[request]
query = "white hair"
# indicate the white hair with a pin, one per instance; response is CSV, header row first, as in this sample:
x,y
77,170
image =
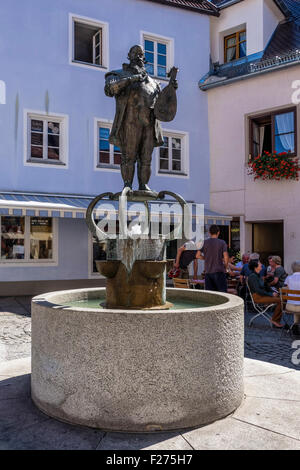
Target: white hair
x,y
296,266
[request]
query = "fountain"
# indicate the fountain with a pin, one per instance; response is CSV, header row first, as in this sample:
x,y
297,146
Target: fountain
x,y
136,356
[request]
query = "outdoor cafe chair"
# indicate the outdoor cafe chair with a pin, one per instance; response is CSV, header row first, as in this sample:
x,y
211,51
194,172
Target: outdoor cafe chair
x,y
181,283
285,295
261,309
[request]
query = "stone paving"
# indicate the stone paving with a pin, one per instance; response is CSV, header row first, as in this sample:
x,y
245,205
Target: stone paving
x,y
268,418
269,344
15,328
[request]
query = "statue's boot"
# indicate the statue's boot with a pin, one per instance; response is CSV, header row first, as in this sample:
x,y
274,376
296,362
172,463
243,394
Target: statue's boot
x,y
144,187
127,172
144,173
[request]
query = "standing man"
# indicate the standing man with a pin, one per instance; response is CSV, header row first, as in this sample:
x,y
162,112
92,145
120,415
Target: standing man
x,y
215,255
135,129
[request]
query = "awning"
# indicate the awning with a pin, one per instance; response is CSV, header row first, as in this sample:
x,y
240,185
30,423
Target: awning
x,y
71,206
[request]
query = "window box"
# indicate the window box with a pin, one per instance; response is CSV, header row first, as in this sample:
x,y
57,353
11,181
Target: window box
x,y
88,42
27,240
274,166
46,139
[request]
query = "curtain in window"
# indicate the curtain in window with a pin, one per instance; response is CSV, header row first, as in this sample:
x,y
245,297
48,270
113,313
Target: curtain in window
x,y
261,138
230,54
284,132
230,48
256,140
243,49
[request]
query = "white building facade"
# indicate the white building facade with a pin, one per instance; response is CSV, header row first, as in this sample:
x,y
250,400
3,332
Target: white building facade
x,y
253,108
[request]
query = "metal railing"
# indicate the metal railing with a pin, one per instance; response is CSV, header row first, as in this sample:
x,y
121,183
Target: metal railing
x,y
292,56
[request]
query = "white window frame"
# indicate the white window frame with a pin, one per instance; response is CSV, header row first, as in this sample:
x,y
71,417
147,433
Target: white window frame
x,y
105,43
98,122
63,141
170,51
27,261
184,173
2,92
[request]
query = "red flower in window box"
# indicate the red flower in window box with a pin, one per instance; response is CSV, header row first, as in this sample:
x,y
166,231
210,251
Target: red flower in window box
x,y
274,166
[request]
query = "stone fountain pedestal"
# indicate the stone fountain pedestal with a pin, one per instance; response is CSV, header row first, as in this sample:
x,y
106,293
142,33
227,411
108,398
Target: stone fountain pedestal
x,y
137,370
143,287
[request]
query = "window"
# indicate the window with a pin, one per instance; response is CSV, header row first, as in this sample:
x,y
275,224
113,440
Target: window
x,y
158,54
89,42
173,154
272,132
235,234
235,46
12,237
26,238
41,235
46,139
108,155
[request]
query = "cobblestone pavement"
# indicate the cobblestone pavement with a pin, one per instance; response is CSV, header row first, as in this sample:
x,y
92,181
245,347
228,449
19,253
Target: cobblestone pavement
x,y
261,342
269,344
15,328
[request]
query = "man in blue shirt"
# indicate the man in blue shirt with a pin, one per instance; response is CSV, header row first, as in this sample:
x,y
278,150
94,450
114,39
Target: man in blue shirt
x,y
245,272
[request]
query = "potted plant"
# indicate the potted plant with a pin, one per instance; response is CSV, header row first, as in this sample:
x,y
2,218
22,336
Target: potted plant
x,y
274,166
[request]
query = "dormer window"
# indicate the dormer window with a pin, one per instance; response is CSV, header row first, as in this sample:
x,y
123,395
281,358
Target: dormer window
x,y
235,46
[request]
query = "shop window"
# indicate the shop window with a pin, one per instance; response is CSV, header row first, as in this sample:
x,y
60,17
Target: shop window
x,y
12,238
26,239
235,234
41,235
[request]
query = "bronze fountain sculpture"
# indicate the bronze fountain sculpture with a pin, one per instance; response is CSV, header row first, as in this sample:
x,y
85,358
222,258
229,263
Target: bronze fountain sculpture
x,y
140,105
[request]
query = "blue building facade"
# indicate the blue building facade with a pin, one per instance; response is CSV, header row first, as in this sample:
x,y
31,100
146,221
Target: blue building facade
x,y
55,119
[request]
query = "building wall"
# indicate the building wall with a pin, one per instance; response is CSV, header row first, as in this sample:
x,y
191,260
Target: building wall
x,y
232,190
259,17
271,16
34,47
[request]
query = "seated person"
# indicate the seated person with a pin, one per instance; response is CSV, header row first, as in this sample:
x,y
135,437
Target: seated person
x,y
276,278
187,254
245,260
262,294
245,272
232,269
293,283
270,268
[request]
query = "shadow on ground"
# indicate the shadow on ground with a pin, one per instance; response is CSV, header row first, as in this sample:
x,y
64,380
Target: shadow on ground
x,y
23,426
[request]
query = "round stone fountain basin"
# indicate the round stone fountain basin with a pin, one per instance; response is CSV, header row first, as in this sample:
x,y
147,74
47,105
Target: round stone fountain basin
x,y
137,370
